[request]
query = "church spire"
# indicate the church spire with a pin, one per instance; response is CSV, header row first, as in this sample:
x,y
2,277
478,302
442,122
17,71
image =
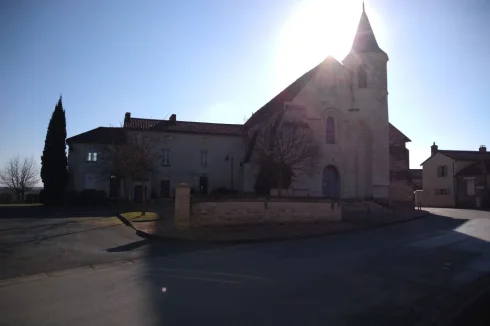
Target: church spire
x,y
365,41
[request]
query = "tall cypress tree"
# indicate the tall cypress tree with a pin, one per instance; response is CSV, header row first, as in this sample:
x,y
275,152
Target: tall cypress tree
x,y
54,164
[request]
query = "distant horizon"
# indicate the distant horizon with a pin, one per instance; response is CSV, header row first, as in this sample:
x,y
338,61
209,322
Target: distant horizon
x,y
220,61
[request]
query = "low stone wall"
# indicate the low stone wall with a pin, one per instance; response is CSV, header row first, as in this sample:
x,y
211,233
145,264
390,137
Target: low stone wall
x,y
228,213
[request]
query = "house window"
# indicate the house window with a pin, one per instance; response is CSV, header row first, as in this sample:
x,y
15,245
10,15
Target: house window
x,y
330,131
362,77
166,157
92,156
442,192
470,187
442,171
204,158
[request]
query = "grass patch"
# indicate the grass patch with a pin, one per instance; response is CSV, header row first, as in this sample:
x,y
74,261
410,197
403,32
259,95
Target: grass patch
x,y
130,216
138,217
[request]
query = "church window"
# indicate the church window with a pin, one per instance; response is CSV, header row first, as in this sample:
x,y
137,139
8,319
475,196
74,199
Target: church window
x,y
362,77
330,128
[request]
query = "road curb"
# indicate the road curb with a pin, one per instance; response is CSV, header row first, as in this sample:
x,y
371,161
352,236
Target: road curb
x,y
125,221
151,236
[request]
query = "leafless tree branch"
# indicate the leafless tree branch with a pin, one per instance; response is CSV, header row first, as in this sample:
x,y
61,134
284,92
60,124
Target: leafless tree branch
x,y
19,176
135,157
288,143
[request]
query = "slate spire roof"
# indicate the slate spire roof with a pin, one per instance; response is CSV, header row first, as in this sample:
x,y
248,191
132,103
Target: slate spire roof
x,y
365,41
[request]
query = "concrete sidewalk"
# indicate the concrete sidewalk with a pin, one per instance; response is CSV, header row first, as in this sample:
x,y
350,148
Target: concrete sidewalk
x,y
164,229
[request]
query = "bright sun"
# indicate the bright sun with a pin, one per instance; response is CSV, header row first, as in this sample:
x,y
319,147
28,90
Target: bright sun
x,y
314,30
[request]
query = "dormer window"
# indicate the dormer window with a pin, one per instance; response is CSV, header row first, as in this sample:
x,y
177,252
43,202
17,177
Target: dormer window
x,y
362,77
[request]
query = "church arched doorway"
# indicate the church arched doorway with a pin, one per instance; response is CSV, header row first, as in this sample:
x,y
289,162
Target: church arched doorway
x,y
331,182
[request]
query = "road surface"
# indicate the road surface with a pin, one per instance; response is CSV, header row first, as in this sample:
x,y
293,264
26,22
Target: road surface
x,y
32,245
396,275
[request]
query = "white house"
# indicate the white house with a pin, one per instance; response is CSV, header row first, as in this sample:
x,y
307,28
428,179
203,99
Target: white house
x,y
440,172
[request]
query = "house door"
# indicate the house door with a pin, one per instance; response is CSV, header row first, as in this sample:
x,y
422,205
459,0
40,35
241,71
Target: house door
x,y
165,188
140,194
203,185
114,186
331,182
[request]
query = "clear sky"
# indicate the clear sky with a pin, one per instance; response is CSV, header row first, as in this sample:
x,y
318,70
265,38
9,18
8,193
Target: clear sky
x,y
221,60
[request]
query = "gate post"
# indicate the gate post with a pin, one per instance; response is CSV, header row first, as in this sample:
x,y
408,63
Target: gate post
x,y
182,206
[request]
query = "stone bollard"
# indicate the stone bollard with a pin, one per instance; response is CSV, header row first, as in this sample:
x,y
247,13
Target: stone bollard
x,y
182,215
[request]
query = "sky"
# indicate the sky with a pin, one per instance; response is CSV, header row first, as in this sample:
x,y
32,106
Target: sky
x,y
221,60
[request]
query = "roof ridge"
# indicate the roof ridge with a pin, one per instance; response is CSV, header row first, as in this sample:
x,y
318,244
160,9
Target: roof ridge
x,y
199,122
459,150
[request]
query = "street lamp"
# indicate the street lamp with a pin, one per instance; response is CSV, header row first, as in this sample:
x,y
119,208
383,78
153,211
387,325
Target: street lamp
x,y
229,157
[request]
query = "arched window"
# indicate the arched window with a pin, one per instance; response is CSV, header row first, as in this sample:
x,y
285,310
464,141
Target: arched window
x,y
330,128
362,77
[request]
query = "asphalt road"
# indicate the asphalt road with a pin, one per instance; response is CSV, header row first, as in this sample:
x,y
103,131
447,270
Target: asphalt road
x,y
396,275
32,245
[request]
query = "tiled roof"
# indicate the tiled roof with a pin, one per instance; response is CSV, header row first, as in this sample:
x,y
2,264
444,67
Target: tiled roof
x,y
288,94
466,155
101,135
462,155
184,126
477,168
396,130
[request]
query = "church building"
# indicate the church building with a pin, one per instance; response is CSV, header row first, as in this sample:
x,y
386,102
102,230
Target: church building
x,y
345,104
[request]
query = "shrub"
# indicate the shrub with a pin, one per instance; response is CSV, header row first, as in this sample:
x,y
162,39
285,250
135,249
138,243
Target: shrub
x,y
72,197
93,197
6,198
42,196
32,198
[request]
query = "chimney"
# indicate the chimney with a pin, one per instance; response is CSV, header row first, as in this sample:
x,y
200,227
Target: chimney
x,y
433,149
127,116
483,148
173,118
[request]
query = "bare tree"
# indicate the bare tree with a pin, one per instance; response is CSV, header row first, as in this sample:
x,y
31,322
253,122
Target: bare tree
x,y
286,146
20,176
134,158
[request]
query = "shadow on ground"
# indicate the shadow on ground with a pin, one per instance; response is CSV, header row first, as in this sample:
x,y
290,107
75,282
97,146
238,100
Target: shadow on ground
x,y
400,274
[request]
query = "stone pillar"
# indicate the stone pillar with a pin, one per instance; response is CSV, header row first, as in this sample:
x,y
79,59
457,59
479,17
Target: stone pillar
x,y
182,215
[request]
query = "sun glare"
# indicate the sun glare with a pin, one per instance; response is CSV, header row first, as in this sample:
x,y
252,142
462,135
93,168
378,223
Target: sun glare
x,y
314,30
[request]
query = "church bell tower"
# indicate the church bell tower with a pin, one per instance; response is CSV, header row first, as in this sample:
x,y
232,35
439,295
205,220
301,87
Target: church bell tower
x,y
367,64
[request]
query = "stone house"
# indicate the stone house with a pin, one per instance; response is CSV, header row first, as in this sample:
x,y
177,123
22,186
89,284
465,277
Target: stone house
x,y
205,155
364,157
439,173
